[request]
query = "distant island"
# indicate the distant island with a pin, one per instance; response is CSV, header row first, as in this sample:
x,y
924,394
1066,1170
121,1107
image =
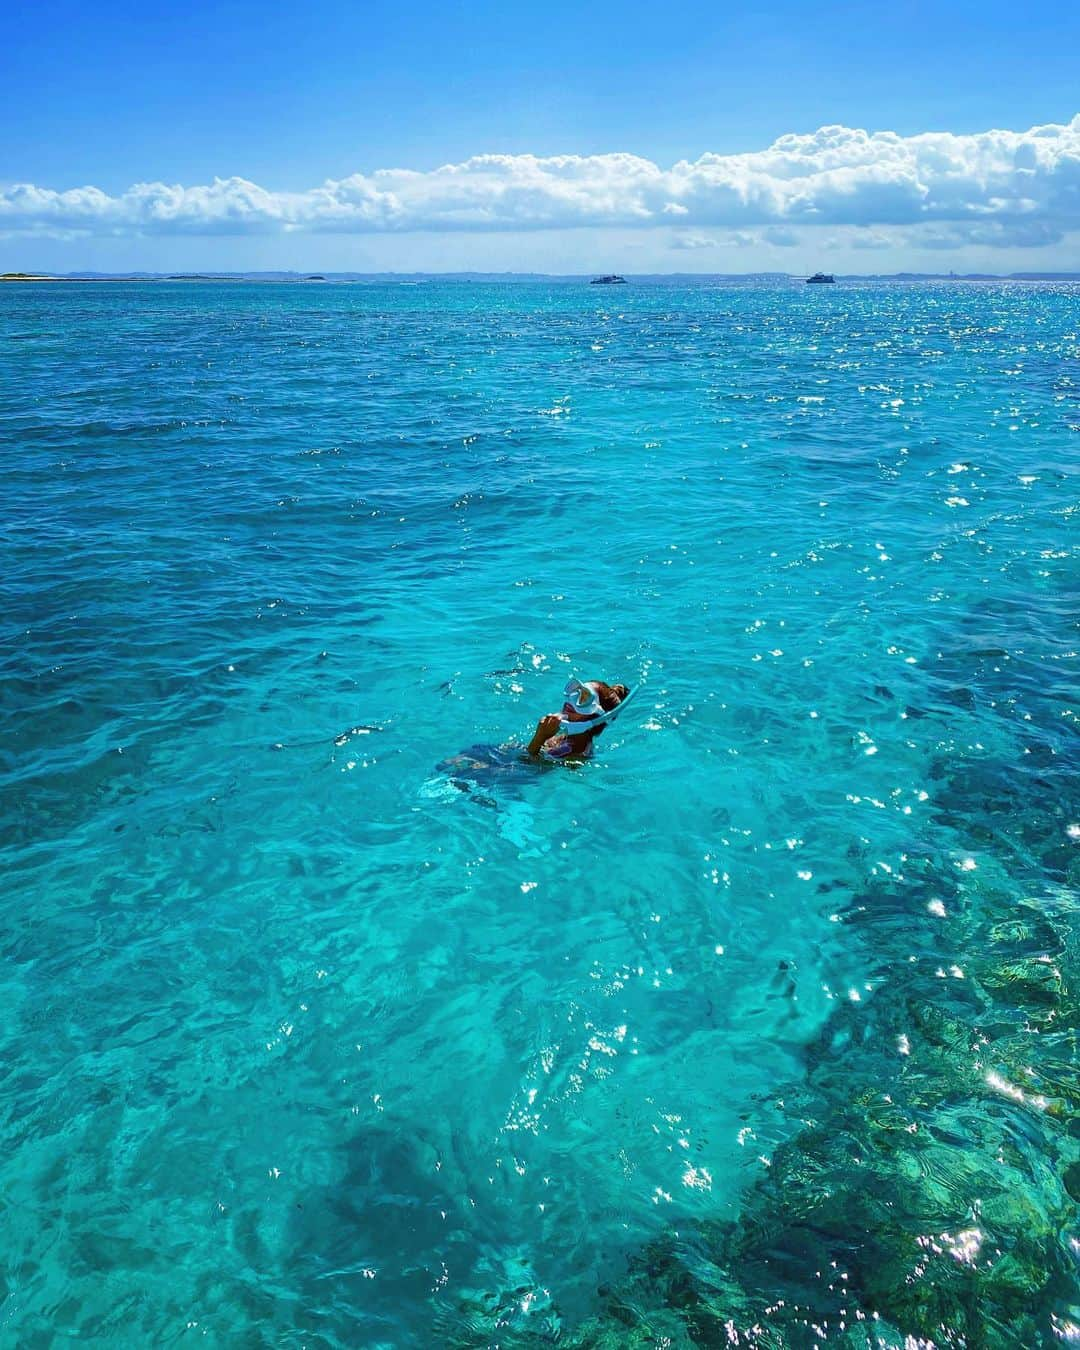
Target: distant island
x,y
536,278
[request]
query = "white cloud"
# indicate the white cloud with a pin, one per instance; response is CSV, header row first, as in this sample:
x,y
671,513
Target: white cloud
x,y
996,188
780,236
872,239
1034,233
692,241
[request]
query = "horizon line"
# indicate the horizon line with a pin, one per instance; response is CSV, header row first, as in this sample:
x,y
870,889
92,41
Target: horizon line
x,y
323,275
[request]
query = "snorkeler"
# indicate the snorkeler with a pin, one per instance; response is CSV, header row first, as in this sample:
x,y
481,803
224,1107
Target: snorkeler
x,y
567,736
588,707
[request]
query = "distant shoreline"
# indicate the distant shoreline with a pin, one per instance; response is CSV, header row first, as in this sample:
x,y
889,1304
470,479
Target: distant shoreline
x,y
465,278
35,281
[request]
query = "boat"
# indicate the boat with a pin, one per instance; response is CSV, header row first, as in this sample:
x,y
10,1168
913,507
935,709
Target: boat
x,y
610,280
820,279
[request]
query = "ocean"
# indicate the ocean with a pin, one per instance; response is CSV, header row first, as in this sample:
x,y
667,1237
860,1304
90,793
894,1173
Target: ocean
x,y
759,1028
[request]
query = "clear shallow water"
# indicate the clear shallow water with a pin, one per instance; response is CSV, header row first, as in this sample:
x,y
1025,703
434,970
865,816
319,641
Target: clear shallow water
x,y
304,1045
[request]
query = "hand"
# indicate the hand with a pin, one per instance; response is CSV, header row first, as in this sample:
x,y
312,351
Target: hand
x,y
547,727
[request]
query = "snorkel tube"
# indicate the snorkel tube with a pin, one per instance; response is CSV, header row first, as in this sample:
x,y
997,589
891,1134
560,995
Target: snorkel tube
x,y
586,725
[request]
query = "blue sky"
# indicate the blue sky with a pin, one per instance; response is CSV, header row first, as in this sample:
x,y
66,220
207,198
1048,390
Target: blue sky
x,y
287,98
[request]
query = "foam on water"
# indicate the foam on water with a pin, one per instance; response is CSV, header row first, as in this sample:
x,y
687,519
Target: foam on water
x,y
312,1034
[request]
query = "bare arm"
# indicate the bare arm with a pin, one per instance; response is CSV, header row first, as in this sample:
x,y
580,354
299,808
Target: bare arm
x,y
547,727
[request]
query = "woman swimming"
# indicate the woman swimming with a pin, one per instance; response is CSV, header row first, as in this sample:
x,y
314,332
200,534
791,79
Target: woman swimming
x,y
567,735
588,707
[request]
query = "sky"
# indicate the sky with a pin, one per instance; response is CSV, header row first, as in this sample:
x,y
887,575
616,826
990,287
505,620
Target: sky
x,y
635,137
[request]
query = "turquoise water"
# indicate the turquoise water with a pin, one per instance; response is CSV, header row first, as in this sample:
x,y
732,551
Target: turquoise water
x,y
761,1028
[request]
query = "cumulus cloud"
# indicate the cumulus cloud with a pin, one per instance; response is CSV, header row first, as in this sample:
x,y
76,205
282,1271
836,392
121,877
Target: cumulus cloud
x,y
692,241
780,236
997,188
872,239
996,234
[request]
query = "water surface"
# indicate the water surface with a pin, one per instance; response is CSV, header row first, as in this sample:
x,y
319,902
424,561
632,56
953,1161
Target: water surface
x,y
766,1018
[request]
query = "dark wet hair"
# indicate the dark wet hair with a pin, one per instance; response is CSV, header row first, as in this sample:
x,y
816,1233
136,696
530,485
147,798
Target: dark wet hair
x,y
610,695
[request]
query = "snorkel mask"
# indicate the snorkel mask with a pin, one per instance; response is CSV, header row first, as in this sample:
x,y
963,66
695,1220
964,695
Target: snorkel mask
x,y
585,701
